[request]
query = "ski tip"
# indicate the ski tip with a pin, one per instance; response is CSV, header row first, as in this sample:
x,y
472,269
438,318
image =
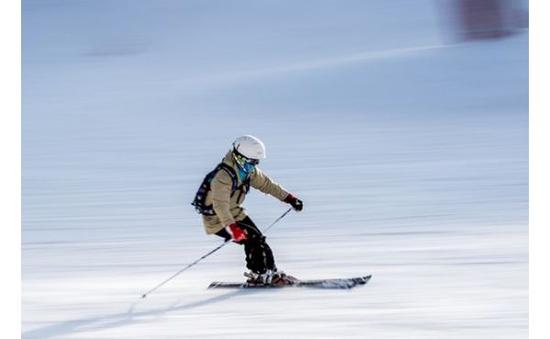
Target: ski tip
x,y
365,279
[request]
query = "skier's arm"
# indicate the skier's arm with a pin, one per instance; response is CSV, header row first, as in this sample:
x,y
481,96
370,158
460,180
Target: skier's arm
x,y
221,194
263,183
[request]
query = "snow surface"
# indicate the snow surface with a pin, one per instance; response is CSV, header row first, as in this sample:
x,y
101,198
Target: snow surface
x,y
410,153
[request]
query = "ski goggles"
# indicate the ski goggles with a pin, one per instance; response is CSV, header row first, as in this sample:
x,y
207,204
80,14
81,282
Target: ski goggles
x,y
244,162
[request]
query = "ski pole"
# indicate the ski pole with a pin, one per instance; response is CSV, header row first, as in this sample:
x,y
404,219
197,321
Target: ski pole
x,y
206,255
185,268
277,220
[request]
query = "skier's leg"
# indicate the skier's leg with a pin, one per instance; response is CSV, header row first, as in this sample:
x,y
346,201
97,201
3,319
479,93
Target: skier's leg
x,y
259,257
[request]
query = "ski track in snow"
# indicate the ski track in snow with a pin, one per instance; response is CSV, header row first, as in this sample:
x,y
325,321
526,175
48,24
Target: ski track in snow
x,y
411,158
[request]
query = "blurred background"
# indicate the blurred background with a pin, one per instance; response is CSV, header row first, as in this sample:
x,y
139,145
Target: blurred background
x,y
403,125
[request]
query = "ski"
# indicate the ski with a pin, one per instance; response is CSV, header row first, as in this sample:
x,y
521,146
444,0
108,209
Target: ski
x,y
342,283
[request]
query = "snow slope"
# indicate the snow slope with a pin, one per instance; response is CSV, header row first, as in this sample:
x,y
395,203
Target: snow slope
x,y
411,156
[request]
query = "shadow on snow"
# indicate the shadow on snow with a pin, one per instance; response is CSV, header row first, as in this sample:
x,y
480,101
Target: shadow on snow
x,y
119,319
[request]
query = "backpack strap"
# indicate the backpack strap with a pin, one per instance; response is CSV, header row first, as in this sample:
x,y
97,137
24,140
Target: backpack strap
x,y
242,188
231,172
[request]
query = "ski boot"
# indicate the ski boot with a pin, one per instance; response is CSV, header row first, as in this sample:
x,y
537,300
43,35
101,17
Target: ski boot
x,y
274,278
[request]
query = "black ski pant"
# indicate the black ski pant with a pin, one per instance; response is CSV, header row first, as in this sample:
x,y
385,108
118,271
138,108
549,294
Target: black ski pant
x,y
259,257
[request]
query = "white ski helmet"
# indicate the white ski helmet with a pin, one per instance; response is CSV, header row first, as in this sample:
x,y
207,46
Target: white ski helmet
x,y
249,146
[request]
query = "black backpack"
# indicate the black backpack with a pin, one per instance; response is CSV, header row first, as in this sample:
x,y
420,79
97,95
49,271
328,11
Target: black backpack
x,y
200,198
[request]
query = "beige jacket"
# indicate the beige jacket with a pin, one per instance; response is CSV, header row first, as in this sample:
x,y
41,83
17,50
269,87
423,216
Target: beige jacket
x,y
228,206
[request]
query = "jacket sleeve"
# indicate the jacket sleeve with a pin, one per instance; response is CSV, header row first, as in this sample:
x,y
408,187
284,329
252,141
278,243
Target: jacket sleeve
x,y
221,194
263,183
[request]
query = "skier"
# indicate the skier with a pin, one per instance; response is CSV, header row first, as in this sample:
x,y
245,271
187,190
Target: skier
x,y
219,200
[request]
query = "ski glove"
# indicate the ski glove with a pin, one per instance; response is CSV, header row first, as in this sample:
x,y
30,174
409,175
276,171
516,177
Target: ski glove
x,y
296,203
237,234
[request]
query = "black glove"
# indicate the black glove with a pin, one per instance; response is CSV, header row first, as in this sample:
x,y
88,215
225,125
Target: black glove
x,y
296,203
